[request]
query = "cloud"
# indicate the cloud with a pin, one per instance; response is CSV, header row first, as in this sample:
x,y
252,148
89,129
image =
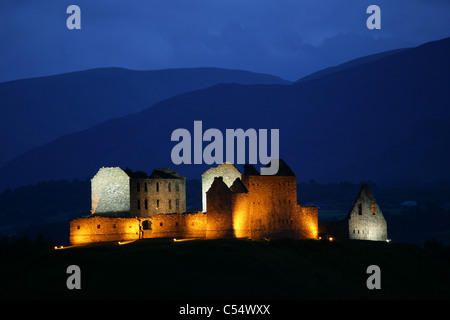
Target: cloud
x,y
289,38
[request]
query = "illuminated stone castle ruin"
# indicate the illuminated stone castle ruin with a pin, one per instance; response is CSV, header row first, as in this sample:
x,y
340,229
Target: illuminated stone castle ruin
x,y
130,205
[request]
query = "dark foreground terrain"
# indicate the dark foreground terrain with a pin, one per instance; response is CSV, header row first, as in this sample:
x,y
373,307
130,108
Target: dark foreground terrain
x,y
230,269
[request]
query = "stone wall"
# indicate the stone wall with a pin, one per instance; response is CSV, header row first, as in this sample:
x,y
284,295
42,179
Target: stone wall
x,y
99,229
367,225
110,192
365,219
186,225
271,203
103,229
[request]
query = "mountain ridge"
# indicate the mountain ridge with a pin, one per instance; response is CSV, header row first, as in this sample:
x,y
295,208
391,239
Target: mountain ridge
x,y
349,116
38,110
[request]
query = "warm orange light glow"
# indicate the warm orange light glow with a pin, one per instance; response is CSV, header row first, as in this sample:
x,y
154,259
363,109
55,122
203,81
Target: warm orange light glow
x,y
239,222
330,238
125,242
241,219
311,226
185,239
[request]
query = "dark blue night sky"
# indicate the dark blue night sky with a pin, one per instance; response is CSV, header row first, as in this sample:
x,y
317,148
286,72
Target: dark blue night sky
x,y
285,38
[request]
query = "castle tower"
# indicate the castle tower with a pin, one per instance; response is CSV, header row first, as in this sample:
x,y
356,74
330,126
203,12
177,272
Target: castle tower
x,y
240,209
219,222
226,170
271,201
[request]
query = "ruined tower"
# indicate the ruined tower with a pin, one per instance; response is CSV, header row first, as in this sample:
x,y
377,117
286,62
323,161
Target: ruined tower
x,y
219,221
259,206
226,170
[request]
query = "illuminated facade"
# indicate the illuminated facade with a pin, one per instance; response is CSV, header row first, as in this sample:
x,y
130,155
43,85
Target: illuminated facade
x,y
253,206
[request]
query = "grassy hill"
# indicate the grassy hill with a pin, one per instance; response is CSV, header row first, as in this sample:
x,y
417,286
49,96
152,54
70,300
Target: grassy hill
x,y
161,269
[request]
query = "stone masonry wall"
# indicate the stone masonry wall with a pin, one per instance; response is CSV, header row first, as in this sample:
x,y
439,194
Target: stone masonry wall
x,y
155,196
365,219
186,225
99,229
271,202
367,225
110,192
103,229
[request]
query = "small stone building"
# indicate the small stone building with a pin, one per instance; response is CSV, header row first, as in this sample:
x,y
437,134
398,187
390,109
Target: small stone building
x,y
365,221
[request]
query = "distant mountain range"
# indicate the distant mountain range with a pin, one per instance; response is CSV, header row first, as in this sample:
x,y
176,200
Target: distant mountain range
x,y
385,118
39,110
